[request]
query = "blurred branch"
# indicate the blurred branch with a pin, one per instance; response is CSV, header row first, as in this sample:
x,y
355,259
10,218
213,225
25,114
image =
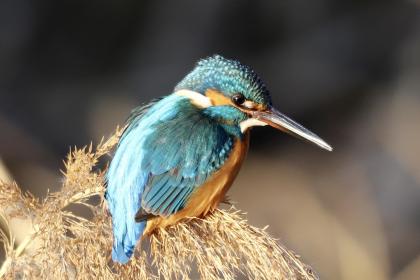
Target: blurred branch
x,y
410,271
4,173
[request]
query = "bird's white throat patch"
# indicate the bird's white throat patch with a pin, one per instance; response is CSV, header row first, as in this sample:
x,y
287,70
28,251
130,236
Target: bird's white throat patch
x,y
250,123
196,98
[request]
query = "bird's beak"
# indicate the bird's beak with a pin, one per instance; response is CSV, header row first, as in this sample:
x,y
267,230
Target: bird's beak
x,y
280,121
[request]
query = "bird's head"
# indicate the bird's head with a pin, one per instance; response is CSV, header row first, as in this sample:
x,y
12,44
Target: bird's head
x,y
233,95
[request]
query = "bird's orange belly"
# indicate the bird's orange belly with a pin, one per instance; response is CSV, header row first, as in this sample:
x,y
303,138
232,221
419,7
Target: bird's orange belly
x,y
208,196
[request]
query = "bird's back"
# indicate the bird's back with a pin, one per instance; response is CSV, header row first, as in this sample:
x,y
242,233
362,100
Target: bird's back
x,y
165,155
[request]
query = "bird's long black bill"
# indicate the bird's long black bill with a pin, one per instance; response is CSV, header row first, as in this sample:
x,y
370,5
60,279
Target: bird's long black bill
x,y
280,121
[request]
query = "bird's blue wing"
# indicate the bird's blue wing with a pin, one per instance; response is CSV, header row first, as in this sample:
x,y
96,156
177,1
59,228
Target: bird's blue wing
x,y
163,156
180,155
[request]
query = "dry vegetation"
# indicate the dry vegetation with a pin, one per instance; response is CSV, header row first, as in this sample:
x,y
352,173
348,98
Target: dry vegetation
x,y
64,245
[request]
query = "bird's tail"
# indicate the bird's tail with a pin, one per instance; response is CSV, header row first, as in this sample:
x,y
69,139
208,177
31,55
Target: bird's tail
x,y
124,245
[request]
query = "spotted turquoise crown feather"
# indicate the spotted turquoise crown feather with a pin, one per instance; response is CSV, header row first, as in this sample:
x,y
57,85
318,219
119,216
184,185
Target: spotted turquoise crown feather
x,y
228,77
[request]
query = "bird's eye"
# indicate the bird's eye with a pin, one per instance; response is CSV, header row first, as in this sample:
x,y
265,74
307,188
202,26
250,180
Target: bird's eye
x,y
238,99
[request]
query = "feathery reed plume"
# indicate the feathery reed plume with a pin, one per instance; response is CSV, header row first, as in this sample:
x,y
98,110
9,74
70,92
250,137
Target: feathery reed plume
x,y
63,245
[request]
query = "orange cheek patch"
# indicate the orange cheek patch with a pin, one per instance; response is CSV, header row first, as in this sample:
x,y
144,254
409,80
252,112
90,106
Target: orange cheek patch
x,y
260,107
217,98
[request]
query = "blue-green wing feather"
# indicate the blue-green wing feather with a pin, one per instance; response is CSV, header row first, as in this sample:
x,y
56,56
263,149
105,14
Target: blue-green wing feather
x,y
181,154
167,151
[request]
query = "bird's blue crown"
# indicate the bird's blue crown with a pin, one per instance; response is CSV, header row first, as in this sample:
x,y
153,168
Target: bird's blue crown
x,y
227,77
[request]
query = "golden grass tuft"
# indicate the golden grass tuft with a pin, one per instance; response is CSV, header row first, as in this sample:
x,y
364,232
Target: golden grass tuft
x,y
63,245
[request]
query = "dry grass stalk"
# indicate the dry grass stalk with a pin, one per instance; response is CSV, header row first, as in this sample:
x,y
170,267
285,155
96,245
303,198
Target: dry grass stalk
x,y
220,246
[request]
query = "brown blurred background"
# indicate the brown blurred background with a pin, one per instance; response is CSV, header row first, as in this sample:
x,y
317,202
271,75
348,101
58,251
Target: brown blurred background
x,y
70,71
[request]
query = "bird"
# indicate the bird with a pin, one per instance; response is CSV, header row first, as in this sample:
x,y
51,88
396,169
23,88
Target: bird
x,y
178,155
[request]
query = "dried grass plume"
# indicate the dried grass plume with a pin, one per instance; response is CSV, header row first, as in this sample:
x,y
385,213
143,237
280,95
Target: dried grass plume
x,y
64,245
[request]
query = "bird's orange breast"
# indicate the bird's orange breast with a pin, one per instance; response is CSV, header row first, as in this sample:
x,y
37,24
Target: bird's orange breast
x,y
208,196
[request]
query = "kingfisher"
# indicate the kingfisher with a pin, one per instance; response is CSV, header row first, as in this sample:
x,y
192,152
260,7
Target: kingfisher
x,y
179,154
